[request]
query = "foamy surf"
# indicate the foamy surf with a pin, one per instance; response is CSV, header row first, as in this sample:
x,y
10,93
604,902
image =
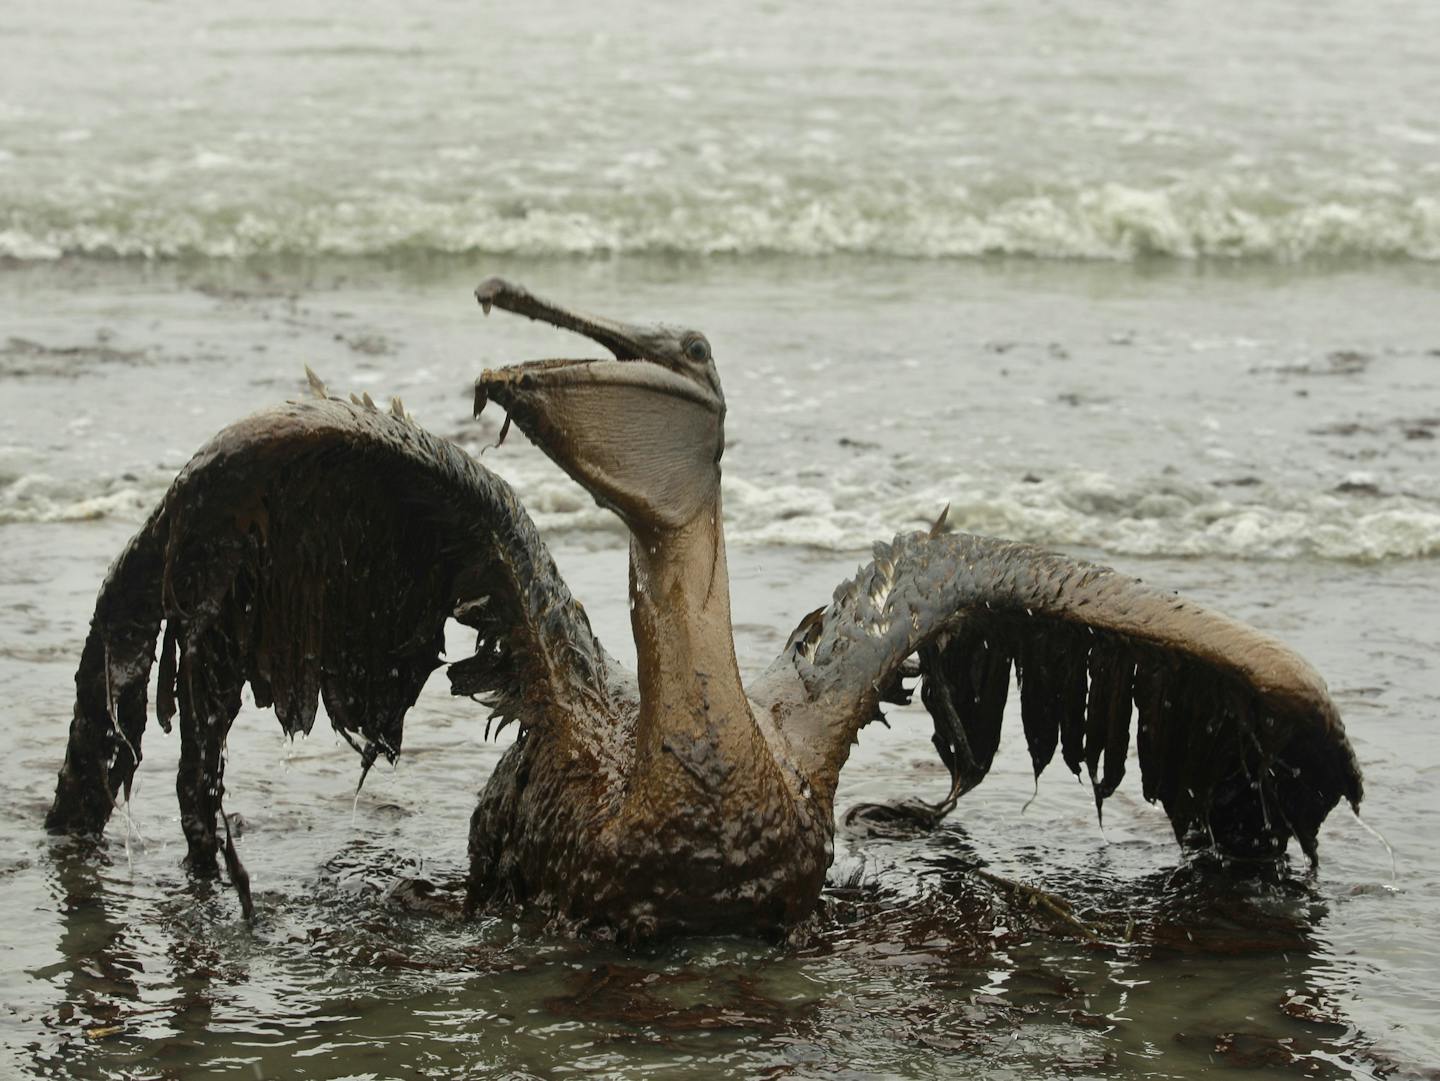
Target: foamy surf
x,y
1198,218
1080,510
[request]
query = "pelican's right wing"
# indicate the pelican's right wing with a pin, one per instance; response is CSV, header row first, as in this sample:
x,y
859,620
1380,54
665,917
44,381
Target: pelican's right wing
x,y
1237,737
316,550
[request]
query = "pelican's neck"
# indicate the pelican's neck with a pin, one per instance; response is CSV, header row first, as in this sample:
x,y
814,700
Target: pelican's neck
x,y
695,723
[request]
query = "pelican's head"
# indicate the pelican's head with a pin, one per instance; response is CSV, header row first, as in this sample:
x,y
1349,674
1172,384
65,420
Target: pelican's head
x,y
643,433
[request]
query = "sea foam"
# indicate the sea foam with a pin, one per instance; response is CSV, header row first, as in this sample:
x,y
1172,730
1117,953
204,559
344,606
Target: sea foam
x,y
1078,510
1227,219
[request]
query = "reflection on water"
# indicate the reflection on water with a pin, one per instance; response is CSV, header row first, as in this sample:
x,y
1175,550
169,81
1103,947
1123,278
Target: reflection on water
x,y
930,966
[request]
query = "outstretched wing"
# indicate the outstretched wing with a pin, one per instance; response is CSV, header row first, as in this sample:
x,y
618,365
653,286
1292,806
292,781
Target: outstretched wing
x,y
1237,737
315,551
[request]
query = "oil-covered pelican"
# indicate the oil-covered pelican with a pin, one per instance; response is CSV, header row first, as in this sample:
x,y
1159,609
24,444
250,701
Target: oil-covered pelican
x,y
317,549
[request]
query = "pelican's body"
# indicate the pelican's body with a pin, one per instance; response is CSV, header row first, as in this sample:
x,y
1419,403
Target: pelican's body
x,y
317,550
684,790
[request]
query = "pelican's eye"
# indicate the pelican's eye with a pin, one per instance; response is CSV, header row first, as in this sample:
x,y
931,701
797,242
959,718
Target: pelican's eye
x,y
698,349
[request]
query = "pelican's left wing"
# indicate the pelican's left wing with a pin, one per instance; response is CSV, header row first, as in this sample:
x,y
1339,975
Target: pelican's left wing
x,y
1237,737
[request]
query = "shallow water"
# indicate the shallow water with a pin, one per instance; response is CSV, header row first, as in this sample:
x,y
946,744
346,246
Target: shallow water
x,y
1247,411
863,396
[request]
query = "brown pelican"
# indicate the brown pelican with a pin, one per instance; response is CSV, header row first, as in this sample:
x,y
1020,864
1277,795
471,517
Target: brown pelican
x,y
317,549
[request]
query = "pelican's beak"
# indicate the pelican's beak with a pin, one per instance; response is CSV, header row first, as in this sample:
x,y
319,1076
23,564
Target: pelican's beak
x,y
624,341
642,432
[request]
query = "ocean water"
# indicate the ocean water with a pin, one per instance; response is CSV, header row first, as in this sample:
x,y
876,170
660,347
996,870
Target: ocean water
x,y
1156,287
1278,130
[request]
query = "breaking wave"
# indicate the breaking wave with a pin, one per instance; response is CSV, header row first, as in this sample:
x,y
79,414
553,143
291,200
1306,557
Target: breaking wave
x,y
1108,221
1092,511
1085,510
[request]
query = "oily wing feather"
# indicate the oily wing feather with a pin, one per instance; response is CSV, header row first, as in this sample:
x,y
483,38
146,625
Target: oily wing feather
x,y
315,551
1236,735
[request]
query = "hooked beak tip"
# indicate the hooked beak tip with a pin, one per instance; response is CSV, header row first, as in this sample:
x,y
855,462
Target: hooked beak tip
x,y
490,290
